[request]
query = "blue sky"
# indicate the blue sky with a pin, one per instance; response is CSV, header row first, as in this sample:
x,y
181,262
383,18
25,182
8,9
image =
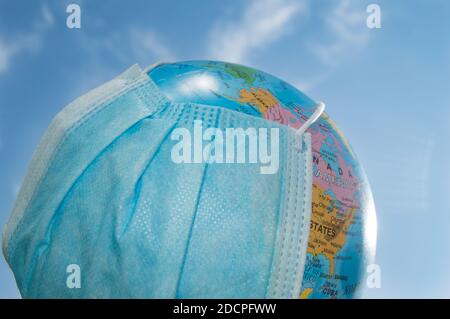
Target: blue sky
x,y
388,89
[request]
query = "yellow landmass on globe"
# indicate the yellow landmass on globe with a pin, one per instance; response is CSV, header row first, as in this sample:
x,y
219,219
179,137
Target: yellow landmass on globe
x,y
328,229
305,293
261,98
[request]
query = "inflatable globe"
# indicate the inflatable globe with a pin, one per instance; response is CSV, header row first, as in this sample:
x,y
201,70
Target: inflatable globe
x,y
343,223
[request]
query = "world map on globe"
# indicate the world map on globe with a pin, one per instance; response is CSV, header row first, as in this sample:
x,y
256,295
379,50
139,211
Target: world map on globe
x,y
343,223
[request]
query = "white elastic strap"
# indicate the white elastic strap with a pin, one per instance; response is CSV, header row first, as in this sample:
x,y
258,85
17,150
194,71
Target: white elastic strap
x,y
319,110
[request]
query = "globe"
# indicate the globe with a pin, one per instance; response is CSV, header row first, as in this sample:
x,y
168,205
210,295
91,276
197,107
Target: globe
x,y
343,220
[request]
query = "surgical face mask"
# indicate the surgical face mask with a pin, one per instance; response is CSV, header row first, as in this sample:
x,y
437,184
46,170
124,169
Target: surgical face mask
x,y
105,211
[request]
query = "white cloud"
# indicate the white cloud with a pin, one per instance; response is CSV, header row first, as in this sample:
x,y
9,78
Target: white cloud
x,y
262,22
131,45
124,47
25,42
5,56
311,82
345,34
47,18
146,44
348,31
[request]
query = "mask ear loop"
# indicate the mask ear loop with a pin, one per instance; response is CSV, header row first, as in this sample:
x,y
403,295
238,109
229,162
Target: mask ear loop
x,y
313,118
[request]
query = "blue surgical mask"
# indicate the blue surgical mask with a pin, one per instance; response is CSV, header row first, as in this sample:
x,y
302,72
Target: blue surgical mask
x,y
104,201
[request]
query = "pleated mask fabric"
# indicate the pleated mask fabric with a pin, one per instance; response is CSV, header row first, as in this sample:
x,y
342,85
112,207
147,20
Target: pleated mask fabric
x,y
103,192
